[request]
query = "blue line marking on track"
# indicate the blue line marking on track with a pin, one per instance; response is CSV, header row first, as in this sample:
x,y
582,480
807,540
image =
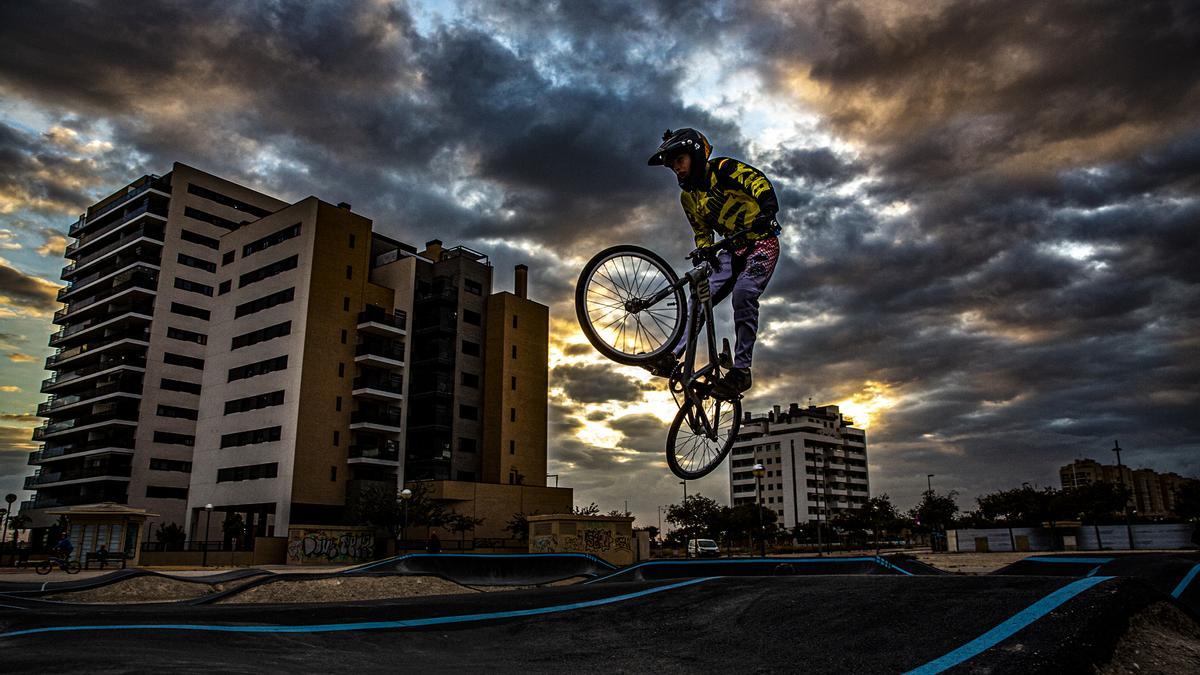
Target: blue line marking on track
x,y
1008,627
1187,579
731,561
368,625
891,566
1067,559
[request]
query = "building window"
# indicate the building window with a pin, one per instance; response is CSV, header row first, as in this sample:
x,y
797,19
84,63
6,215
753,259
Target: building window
x,y
346,304
470,348
180,413
167,384
186,335
261,335
157,492
254,402
513,383
341,370
224,287
251,437
337,438
472,318
198,263
512,447
468,412
270,240
466,444
206,217
168,438
352,241
248,472
514,351
181,360
194,287
514,320
512,414
349,271
343,336
196,238
470,380
227,257
189,310
265,302
473,287
333,469
268,271
180,466
258,368
337,404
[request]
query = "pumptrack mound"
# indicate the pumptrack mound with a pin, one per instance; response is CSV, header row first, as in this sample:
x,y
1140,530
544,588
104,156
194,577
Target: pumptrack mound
x,y
1132,613
493,570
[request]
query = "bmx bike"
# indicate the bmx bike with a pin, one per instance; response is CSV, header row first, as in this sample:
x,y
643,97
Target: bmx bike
x,y
631,306
68,566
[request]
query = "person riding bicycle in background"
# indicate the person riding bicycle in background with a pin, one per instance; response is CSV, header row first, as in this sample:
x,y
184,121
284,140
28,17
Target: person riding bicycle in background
x,y
723,195
64,547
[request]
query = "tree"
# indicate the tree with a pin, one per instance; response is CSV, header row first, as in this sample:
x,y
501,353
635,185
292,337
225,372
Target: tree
x,y
695,517
934,512
518,525
171,536
1187,501
462,523
652,531
589,510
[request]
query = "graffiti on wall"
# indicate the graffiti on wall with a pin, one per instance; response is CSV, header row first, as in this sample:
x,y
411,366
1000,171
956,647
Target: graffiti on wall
x,y
544,543
326,546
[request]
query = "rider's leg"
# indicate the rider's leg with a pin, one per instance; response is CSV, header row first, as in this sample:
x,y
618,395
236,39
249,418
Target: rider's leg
x,y
720,283
750,284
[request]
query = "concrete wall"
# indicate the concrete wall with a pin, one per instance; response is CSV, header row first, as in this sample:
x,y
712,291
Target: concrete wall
x,y
496,503
314,545
267,551
606,537
1145,536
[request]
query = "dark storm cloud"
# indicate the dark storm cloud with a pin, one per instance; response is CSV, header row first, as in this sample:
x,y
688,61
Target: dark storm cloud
x,y
1018,265
595,384
27,291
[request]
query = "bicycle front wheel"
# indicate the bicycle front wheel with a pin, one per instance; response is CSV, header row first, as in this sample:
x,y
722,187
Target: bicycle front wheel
x,y
71,567
701,436
44,567
609,299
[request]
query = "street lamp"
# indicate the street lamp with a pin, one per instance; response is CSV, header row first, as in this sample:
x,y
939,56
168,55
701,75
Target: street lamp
x,y
686,552
207,524
1125,495
929,481
405,495
759,472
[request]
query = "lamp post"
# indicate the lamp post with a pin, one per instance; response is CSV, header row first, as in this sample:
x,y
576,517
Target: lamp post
x,y
929,481
7,517
686,552
405,495
1125,495
208,508
759,472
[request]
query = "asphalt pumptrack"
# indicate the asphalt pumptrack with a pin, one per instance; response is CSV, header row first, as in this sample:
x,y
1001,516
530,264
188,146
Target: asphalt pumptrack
x,y
1062,613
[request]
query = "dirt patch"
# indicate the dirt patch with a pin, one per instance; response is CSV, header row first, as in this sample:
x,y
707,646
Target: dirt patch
x,y
971,563
1161,639
569,581
344,589
143,589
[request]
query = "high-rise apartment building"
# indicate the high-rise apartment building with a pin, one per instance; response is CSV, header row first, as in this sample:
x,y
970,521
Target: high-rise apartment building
x,y
222,347
814,460
1151,494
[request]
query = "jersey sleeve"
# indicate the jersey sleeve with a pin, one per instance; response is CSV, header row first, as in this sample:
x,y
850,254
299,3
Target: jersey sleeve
x,y
702,233
739,175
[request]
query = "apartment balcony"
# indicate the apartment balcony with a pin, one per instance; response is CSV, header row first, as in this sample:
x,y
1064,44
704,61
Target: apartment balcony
x,y
379,388
376,420
57,404
146,185
73,500
129,217
89,422
151,233
123,264
135,363
116,317
98,473
388,454
112,340
377,321
124,284
52,453
388,354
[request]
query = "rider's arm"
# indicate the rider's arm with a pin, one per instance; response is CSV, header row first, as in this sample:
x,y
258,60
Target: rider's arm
x,y
741,176
702,233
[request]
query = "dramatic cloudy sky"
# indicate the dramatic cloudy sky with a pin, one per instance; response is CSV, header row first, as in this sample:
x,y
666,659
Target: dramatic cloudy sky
x,y
991,245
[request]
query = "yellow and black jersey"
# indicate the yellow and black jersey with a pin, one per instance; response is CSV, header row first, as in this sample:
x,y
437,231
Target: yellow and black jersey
x,y
737,195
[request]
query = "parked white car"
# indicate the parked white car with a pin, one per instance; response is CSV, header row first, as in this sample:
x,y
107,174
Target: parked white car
x,y
703,548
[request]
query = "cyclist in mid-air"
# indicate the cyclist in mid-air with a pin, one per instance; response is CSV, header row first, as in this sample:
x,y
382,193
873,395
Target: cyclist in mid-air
x,y
723,195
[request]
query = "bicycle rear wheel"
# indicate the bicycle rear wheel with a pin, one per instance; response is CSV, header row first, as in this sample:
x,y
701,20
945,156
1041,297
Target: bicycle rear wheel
x,y
695,448
71,567
611,284
44,567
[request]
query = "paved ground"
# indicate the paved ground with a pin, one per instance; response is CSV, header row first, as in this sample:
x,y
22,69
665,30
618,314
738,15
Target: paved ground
x,y
1048,616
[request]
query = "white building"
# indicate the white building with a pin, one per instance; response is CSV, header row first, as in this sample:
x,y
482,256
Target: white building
x,y
815,463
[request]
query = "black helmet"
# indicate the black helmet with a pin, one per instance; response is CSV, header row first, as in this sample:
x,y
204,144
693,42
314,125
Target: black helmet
x,y
683,140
